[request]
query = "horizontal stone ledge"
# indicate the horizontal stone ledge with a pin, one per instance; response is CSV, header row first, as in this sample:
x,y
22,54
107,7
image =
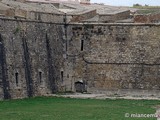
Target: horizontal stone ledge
x,y
119,63
82,24
117,24
105,63
28,20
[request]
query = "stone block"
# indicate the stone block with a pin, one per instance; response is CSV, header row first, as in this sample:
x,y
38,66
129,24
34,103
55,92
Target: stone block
x,y
20,13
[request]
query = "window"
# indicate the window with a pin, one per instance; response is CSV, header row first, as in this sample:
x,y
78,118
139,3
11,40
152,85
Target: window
x,y
40,77
16,77
82,47
62,76
0,39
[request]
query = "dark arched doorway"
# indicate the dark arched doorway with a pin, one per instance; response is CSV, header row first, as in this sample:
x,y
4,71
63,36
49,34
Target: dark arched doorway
x,y
80,86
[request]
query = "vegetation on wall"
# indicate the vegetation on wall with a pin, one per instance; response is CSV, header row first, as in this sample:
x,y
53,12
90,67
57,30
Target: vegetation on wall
x,y
17,30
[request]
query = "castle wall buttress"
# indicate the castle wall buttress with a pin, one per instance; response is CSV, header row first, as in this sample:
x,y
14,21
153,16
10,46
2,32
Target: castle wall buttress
x,y
34,58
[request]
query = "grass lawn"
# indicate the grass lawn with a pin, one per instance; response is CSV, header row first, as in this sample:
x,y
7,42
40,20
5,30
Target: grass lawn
x,y
53,108
147,9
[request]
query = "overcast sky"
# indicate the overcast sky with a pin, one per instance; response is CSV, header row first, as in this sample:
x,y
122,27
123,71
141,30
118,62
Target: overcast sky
x,y
128,2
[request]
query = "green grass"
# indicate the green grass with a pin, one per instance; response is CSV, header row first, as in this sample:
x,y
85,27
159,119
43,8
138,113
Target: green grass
x,y
53,108
147,9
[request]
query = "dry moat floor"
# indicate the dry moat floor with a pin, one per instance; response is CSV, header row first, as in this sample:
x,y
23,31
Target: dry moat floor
x,y
57,108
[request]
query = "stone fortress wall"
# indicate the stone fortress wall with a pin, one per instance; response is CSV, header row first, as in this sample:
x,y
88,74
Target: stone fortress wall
x,y
41,56
31,58
122,58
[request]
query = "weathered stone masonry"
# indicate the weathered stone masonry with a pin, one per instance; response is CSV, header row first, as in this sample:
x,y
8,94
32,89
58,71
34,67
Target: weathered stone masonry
x,y
3,71
31,58
116,58
38,58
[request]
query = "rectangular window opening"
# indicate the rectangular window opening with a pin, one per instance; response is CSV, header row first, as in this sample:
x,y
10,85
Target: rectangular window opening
x,y
82,45
62,76
40,77
16,76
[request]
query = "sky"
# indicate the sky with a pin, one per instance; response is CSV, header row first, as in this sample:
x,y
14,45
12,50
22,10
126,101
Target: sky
x,y
128,2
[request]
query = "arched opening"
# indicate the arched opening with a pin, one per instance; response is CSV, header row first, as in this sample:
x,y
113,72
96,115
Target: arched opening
x,y
80,86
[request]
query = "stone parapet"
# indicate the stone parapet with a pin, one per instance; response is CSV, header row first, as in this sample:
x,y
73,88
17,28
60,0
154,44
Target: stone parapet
x,y
149,18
